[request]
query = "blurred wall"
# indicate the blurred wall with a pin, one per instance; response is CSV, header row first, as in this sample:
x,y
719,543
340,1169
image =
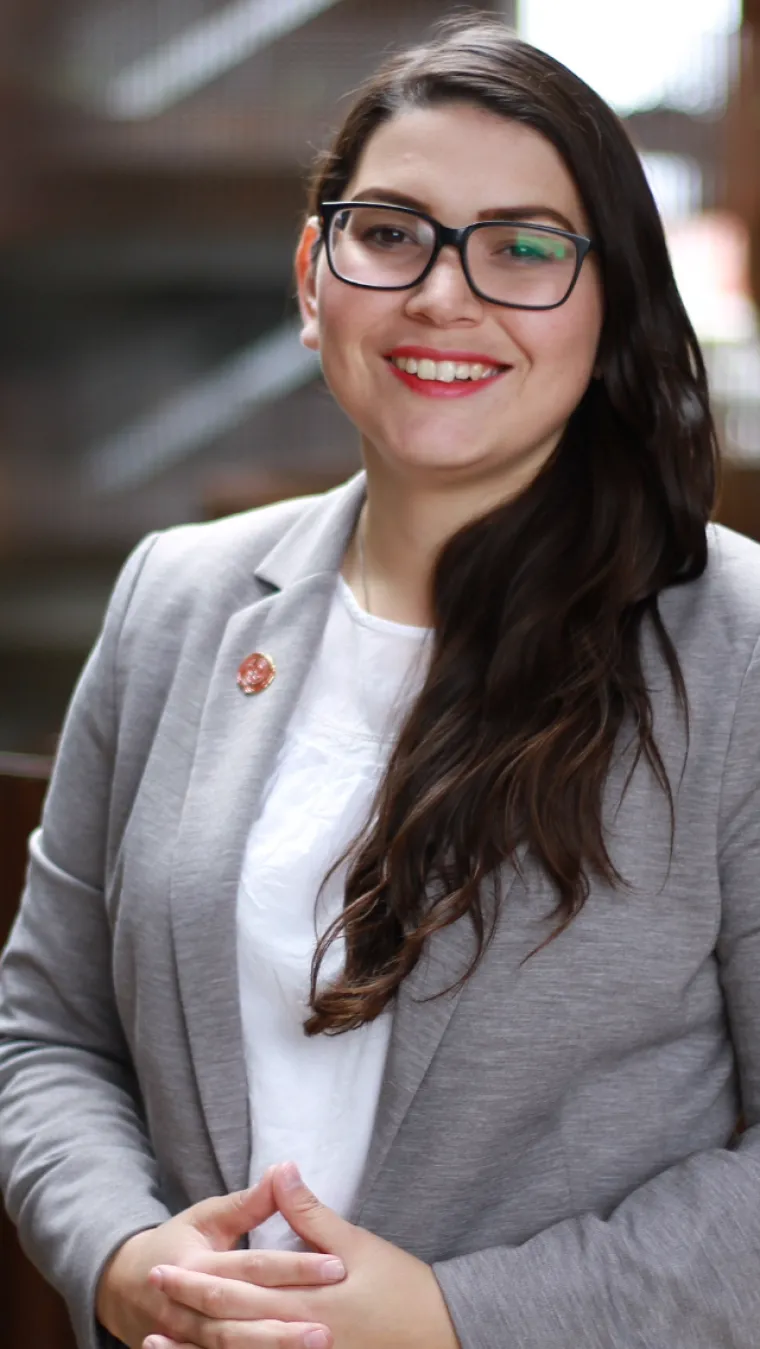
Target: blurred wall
x,y
153,159
152,167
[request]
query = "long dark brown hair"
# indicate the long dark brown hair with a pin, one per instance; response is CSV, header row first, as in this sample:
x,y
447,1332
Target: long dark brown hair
x,y
538,606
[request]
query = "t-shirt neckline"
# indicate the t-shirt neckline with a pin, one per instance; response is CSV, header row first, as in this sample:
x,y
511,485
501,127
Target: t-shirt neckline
x,y
371,621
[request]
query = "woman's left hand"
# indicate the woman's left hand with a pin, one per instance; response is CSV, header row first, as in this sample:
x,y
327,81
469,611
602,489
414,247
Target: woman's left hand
x,y
388,1300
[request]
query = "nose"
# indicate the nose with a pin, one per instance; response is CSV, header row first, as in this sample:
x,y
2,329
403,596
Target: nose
x,y
445,297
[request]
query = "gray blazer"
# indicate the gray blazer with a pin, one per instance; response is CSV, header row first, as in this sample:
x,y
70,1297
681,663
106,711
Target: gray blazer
x,y
558,1139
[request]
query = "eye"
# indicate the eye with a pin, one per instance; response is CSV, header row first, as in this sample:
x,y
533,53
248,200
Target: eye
x,y
527,251
379,227
386,235
538,249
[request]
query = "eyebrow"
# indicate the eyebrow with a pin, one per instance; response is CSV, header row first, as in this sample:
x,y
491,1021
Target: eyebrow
x,y
522,212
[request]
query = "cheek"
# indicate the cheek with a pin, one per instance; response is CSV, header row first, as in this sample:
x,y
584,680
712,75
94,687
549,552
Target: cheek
x,y
340,320
349,321
561,345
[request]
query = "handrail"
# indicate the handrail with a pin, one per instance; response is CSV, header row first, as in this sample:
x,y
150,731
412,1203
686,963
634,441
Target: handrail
x,y
36,766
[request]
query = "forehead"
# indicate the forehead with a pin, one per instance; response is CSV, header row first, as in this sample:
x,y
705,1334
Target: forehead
x,y
460,159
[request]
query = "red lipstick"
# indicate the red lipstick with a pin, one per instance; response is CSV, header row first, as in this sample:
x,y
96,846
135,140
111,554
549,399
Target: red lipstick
x,y
437,388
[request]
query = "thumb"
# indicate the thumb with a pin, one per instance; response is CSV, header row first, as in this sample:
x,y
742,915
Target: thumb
x,y
225,1218
313,1221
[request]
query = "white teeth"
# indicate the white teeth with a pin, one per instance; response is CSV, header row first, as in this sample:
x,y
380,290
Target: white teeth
x,y
444,371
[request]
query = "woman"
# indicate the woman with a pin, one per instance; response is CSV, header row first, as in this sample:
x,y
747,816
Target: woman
x,y
513,661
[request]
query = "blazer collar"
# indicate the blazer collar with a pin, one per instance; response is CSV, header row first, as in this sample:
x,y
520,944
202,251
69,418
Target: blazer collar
x,y
317,540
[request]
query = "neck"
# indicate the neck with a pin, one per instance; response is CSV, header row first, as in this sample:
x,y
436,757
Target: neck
x,y
404,525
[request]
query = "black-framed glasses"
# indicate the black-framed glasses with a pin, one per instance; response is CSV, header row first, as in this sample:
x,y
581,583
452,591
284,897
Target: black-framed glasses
x,y
508,262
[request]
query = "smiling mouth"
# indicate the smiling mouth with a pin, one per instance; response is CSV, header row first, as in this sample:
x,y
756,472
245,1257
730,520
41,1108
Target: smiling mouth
x,y
446,372
444,379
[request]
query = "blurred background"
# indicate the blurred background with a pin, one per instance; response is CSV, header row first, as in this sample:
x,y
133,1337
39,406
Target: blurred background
x,y
152,164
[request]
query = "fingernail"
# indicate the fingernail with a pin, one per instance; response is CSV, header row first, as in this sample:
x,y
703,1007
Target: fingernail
x,y
291,1177
156,1277
333,1270
316,1339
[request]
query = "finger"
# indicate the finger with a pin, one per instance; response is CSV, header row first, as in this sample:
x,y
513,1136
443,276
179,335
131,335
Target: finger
x,y
252,1335
160,1342
207,1294
269,1269
312,1220
220,1299
226,1218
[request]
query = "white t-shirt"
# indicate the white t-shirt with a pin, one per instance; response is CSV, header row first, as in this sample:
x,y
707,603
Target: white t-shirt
x,y
313,1100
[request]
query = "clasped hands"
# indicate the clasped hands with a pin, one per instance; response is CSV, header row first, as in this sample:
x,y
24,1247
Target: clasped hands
x,y
352,1290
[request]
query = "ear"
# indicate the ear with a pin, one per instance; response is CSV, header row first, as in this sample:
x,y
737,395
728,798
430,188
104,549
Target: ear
x,y
306,279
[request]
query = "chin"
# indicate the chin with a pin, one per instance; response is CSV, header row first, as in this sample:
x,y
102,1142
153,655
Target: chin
x,y
435,459
432,449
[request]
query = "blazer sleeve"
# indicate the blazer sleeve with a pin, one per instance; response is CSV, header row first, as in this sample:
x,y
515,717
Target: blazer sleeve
x,y
677,1264
76,1163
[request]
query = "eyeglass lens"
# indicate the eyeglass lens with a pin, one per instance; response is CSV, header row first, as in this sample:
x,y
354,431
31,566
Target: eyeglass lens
x,y
384,248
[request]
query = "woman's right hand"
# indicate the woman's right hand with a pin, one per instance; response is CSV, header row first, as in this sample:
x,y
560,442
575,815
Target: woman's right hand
x,y
128,1305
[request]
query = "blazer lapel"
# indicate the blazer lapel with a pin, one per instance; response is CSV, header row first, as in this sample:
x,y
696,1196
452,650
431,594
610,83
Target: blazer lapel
x,y
236,746
418,1028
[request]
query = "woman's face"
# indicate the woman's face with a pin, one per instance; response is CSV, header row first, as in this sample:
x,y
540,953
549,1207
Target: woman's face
x,y
456,162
